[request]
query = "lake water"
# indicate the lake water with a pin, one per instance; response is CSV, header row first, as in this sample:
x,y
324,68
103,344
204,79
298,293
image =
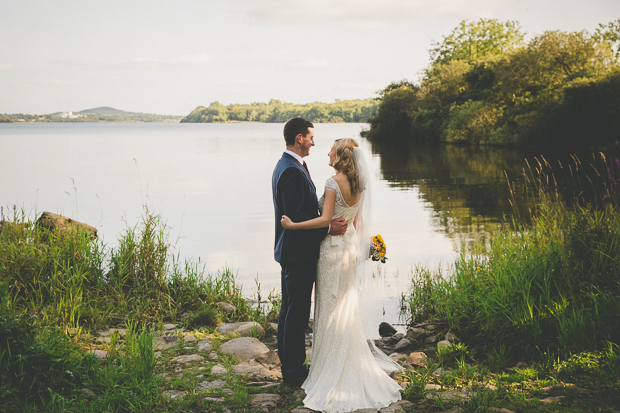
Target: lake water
x,y
212,184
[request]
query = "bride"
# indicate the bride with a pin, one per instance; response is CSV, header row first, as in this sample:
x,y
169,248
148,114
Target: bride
x,y
346,372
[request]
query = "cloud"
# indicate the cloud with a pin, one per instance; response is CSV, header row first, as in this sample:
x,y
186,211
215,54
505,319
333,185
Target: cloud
x,y
312,12
199,60
5,67
312,64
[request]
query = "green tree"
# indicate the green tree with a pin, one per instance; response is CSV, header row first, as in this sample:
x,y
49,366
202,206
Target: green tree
x,y
474,40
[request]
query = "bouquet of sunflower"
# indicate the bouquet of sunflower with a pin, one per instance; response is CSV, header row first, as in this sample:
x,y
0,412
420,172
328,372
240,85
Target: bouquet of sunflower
x,y
377,249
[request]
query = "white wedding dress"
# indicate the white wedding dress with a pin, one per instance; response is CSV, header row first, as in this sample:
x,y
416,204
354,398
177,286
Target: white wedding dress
x,y
345,374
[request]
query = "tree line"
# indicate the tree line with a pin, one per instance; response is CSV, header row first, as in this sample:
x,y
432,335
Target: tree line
x,y
276,112
486,85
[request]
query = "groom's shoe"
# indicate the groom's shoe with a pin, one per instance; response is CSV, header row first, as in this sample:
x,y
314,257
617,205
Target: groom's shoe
x,y
297,381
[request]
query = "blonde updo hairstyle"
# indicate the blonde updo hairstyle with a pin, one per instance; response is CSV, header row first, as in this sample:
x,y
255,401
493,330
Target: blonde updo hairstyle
x,y
344,163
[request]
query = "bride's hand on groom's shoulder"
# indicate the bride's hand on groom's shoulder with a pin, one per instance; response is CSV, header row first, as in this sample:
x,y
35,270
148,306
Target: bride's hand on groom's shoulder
x,y
286,222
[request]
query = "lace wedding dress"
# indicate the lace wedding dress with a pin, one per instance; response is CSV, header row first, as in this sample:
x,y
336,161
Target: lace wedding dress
x,y
345,374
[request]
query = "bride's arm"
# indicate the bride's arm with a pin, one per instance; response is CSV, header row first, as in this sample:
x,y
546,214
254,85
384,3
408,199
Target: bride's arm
x,y
319,222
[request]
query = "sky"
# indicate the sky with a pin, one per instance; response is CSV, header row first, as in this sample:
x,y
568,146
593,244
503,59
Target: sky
x,y
168,57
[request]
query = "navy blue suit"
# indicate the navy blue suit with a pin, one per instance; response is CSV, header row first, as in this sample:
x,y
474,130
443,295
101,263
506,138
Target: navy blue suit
x,y
294,195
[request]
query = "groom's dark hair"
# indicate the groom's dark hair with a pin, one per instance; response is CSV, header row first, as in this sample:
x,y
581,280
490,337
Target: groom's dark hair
x,y
294,127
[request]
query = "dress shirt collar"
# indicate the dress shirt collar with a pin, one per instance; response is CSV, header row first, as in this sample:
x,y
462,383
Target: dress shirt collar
x,y
294,155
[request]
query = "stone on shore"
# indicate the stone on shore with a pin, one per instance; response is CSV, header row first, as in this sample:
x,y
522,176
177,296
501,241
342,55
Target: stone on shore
x,y
205,345
264,401
210,385
386,330
100,354
245,348
188,358
257,371
452,338
227,307
443,344
55,222
402,344
244,329
417,358
218,369
165,342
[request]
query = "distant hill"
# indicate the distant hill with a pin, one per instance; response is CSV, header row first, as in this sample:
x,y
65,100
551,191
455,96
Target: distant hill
x,y
100,114
105,111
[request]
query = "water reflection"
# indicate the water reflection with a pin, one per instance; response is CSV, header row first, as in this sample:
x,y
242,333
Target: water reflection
x,y
467,188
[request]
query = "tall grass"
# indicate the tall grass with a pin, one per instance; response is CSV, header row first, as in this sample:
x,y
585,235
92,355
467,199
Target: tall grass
x,y
551,286
69,280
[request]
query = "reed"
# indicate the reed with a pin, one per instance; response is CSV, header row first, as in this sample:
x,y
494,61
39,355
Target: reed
x,y
549,283
69,280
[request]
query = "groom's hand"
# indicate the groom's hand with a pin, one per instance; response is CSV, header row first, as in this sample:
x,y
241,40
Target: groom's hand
x,y
338,226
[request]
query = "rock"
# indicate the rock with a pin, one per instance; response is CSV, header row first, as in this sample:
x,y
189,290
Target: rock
x,y
519,365
552,399
308,354
443,344
245,348
440,371
414,333
218,369
227,307
87,392
500,410
169,326
257,371
244,329
432,387
174,394
399,358
274,326
402,344
366,411
396,338
452,338
267,358
205,346
386,330
165,342
179,376
210,385
270,385
450,395
122,332
265,401
417,358
310,328
430,339
217,400
105,339
188,358
190,338
429,329
303,410
213,355
55,222
100,354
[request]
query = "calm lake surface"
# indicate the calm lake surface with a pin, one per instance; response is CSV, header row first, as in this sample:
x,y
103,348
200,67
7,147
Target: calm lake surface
x,y
212,185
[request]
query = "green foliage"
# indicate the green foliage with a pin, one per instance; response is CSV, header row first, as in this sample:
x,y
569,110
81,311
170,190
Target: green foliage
x,y
71,280
471,41
558,90
206,317
278,112
552,286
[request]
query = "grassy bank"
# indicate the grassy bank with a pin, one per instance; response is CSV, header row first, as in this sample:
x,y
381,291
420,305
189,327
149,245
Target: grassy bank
x,y
59,288
546,293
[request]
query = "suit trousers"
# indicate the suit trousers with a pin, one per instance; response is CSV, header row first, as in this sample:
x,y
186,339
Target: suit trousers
x,y
297,282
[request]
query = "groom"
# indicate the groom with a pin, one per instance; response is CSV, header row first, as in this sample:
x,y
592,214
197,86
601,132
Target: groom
x,y
294,195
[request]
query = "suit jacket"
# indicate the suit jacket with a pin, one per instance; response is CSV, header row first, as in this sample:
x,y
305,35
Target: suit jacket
x,y
294,195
